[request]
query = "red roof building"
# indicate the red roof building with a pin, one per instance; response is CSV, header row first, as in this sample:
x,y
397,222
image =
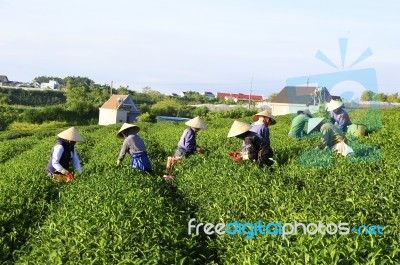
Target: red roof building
x,y
239,97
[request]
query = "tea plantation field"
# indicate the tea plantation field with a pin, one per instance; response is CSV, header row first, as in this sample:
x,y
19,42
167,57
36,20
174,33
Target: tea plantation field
x,y
116,215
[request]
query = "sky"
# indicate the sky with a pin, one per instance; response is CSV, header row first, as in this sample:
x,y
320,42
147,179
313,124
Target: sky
x,y
172,46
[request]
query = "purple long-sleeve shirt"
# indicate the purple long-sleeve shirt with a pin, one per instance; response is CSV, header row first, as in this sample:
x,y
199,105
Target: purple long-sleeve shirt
x,y
187,143
261,130
342,119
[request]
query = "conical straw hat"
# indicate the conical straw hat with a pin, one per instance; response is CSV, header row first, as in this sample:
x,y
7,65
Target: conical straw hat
x,y
238,128
334,104
264,113
312,123
71,134
196,123
305,111
127,126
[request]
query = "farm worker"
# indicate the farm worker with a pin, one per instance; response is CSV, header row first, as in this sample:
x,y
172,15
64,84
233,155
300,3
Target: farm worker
x,y
187,144
298,123
338,114
262,121
62,154
135,146
332,138
257,149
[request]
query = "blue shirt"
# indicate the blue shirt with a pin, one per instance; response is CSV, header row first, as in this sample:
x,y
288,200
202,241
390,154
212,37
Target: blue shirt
x,y
187,143
261,130
342,119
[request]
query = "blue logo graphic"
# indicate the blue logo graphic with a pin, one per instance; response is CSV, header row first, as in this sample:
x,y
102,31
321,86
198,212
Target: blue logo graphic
x,y
316,90
368,230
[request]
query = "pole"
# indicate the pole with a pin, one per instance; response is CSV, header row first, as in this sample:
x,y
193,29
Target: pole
x,y
251,88
111,88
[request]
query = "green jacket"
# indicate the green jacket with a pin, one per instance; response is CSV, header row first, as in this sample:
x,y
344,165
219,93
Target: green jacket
x,y
297,126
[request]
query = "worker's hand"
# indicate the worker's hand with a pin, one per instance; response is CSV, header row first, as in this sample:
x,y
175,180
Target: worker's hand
x,y
118,162
234,154
244,155
237,156
64,171
199,150
69,176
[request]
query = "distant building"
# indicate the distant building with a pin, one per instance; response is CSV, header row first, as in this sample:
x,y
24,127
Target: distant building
x,y
118,109
293,98
208,94
240,97
3,80
174,95
51,85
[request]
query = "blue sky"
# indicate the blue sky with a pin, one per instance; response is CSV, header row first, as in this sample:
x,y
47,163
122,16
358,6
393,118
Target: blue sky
x,y
181,45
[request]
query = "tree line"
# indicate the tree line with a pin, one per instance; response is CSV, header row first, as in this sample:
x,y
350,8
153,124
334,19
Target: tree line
x,y
18,96
369,95
78,101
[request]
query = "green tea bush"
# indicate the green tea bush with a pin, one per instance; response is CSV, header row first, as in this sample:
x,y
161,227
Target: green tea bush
x,y
113,214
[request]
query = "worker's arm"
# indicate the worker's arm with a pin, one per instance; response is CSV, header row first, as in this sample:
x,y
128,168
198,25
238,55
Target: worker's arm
x,y
251,149
124,150
332,118
344,121
58,150
264,133
75,162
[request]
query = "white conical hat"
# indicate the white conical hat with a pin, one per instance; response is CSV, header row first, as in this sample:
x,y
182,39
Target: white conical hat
x,y
196,123
71,134
312,123
127,126
238,128
334,104
264,113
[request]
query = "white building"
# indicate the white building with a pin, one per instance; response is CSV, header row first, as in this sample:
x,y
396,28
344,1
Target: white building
x,y
118,109
294,98
51,84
